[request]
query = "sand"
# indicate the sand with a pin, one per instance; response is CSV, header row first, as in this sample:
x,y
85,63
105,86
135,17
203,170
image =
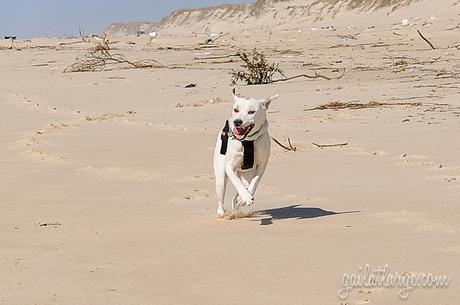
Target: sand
x,y
106,177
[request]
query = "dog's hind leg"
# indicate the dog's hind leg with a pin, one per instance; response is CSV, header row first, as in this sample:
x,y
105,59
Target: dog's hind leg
x,y
221,185
260,170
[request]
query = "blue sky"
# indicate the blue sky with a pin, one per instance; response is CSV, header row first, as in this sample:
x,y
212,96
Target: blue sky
x,y
32,18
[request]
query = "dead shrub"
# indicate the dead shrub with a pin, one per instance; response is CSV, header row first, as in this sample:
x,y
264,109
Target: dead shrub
x,y
256,69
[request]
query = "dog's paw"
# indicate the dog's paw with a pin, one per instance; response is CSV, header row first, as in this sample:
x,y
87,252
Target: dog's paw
x,y
236,202
220,212
249,202
246,198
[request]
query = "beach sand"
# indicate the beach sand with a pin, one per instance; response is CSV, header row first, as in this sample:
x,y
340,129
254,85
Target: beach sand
x,y
107,187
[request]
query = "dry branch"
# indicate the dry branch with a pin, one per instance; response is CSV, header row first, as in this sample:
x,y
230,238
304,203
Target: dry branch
x,y
217,62
426,40
290,145
257,70
71,42
100,56
316,75
81,35
100,46
290,148
330,145
42,47
217,57
455,27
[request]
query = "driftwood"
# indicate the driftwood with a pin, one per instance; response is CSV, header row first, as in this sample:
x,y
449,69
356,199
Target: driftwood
x,y
217,57
217,62
330,145
316,75
99,58
455,27
290,148
48,224
71,42
426,40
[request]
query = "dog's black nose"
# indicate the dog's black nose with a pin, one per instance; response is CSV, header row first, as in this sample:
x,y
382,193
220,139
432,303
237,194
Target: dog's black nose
x,y
237,122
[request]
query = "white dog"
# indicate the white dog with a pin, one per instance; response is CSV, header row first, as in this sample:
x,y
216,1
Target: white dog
x,y
242,151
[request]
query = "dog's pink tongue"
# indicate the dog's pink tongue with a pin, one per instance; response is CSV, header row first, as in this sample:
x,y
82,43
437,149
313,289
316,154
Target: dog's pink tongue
x,y
238,131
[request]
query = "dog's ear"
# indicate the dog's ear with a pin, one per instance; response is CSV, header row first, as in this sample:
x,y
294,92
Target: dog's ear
x,y
266,102
234,95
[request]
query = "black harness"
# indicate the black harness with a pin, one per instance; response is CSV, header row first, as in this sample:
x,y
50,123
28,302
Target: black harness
x,y
248,148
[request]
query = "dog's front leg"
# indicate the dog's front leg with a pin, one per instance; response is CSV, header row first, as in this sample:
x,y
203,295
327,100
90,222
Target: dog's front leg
x,y
260,170
221,181
245,195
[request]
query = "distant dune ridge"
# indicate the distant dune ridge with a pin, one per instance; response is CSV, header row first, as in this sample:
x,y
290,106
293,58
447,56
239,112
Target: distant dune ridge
x,y
290,14
131,28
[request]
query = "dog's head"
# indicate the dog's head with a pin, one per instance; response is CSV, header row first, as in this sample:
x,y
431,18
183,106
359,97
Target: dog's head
x,y
248,114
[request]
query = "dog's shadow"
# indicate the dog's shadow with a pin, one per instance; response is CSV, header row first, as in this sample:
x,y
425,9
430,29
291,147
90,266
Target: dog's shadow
x,y
294,212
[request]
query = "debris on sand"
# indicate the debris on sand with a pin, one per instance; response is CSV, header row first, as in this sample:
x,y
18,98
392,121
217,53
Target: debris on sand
x,y
288,148
349,105
256,70
99,58
330,145
426,40
49,224
400,62
356,105
211,101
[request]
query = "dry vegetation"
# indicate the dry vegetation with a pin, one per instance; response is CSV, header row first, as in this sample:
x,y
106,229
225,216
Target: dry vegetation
x,y
356,105
256,69
99,58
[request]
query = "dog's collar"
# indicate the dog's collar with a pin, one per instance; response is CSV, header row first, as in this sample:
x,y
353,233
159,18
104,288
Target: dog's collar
x,y
247,142
251,137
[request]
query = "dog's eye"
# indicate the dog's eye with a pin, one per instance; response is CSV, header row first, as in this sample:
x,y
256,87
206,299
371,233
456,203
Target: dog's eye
x,y
236,110
251,112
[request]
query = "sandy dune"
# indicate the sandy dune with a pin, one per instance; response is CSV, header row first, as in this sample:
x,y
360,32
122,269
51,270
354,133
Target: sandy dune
x,y
107,193
276,15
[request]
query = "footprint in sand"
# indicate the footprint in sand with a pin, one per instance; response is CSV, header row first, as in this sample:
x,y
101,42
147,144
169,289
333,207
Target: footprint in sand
x,y
115,173
192,195
449,173
203,177
354,150
36,148
38,104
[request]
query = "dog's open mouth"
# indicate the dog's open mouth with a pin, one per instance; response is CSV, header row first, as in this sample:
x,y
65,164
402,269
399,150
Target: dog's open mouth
x,y
241,133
